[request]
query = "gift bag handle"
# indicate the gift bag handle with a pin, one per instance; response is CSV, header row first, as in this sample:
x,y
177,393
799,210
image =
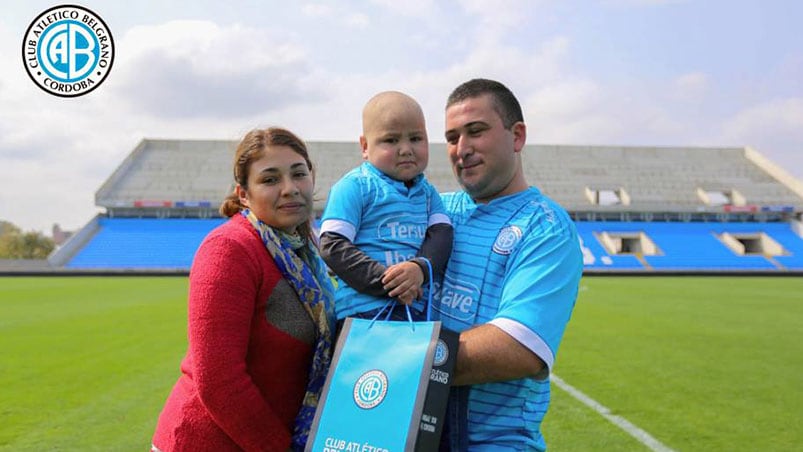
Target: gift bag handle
x,y
429,298
389,305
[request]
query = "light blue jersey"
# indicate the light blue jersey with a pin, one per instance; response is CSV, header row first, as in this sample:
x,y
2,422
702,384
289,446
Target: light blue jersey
x,y
516,263
383,218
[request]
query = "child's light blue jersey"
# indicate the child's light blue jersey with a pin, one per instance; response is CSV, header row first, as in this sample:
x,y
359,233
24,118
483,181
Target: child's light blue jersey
x,y
516,263
383,218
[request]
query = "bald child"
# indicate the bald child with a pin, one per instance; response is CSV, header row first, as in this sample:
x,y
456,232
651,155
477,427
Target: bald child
x,y
383,220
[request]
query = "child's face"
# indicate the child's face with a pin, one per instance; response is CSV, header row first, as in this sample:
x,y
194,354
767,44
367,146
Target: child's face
x,y
395,141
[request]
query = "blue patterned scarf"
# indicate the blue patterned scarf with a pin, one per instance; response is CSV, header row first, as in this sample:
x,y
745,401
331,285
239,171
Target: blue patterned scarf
x,y
303,268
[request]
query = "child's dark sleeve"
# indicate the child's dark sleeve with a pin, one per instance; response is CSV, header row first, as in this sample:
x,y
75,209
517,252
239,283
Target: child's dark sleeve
x,y
437,247
352,265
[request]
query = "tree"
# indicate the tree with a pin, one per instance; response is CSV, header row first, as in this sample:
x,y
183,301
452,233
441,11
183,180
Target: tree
x,y
15,244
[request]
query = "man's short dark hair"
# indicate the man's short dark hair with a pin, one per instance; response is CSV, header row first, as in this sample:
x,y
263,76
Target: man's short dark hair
x,y
504,102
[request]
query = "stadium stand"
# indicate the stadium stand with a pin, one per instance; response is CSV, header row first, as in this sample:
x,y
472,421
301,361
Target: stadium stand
x,y
693,246
638,209
140,242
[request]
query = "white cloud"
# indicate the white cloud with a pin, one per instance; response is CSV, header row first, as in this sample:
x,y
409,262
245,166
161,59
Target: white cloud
x,y
57,154
774,128
523,73
783,116
208,47
515,67
357,20
502,13
412,8
199,69
691,86
572,111
641,3
336,16
316,9
496,19
565,99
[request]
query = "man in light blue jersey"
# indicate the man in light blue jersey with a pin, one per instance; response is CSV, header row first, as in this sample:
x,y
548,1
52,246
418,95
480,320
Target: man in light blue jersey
x,y
383,217
512,278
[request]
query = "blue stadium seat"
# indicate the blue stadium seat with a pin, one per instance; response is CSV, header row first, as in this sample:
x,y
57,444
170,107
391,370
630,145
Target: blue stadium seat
x,y
691,246
135,243
127,243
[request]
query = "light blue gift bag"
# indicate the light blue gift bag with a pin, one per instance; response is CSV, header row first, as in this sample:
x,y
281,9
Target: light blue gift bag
x,y
388,386
374,393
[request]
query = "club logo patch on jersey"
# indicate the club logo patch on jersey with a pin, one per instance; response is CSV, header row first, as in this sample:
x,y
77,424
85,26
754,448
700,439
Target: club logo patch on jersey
x,y
507,239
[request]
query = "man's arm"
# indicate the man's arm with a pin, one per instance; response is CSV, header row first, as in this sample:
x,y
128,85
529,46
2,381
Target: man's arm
x,y
487,354
437,247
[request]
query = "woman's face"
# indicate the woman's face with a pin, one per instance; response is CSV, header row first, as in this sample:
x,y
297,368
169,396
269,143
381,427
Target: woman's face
x,y
279,190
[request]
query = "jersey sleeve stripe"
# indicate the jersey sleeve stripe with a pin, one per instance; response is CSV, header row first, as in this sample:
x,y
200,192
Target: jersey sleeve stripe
x,y
527,338
341,227
437,218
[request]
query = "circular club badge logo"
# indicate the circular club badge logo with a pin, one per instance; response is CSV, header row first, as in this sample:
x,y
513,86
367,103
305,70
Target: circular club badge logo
x,y
507,239
68,50
441,353
370,389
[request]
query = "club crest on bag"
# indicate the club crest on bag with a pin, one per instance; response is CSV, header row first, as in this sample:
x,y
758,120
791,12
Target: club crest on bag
x,y
370,389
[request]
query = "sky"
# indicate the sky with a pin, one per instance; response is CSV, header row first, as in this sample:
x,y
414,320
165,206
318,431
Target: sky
x,y
607,72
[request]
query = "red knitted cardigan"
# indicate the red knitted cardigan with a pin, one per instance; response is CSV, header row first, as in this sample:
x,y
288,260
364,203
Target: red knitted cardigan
x,y
243,378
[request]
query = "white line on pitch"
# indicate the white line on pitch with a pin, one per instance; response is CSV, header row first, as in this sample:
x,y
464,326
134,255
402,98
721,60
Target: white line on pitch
x,y
642,436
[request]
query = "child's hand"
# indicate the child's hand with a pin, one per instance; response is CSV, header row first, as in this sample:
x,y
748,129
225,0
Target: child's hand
x,y
403,281
410,296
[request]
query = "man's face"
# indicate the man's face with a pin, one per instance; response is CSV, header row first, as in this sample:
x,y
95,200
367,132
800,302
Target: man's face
x,y
483,153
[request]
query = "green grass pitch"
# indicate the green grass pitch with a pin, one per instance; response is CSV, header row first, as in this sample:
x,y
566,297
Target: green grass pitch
x,y
700,363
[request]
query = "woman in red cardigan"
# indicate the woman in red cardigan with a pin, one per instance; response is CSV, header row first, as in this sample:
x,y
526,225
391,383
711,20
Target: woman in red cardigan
x,y
260,313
